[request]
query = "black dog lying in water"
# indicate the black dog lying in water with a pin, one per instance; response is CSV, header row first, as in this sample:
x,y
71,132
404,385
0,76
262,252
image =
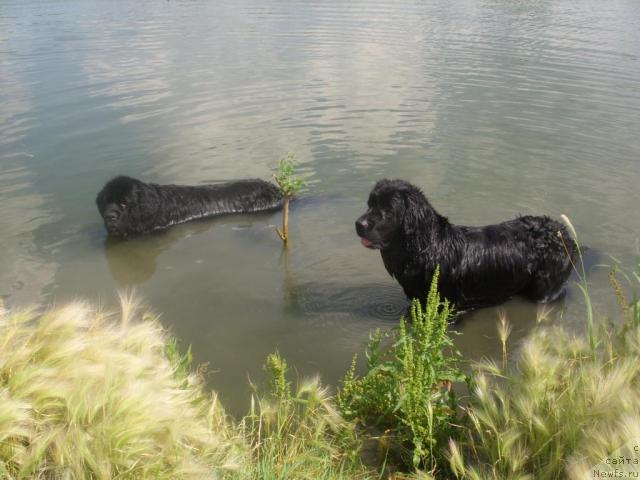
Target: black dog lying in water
x,y
131,207
479,266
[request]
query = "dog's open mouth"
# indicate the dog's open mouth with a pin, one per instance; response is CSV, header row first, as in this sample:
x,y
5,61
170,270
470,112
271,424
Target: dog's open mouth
x,y
369,243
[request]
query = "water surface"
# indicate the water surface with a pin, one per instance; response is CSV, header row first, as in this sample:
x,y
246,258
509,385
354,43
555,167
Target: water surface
x,y
495,109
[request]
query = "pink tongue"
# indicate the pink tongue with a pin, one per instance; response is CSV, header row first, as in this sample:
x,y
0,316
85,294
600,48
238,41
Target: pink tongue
x,y
366,242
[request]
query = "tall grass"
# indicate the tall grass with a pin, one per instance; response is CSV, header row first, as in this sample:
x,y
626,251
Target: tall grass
x,y
88,395
582,283
298,433
569,403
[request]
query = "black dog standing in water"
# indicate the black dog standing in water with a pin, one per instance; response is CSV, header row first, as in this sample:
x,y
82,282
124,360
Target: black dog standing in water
x,y
132,207
479,266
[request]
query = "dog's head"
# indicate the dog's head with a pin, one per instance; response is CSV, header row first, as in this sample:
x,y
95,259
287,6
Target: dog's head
x,y
394,210
119,203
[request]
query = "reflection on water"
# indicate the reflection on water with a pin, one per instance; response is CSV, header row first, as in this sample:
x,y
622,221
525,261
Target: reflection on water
x,y
495,109
133,261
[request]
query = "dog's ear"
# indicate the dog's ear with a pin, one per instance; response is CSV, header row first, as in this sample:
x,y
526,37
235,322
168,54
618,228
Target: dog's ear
x,y
415,230
101,202
413,216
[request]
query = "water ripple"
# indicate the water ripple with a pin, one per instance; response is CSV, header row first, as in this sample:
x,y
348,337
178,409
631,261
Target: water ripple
x,y
370,301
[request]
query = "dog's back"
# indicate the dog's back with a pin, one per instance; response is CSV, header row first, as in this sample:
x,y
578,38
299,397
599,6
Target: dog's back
x,y
129,206
529,255
241,196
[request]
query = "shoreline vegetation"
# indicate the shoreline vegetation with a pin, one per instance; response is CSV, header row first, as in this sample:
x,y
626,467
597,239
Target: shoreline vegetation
x,y
87,394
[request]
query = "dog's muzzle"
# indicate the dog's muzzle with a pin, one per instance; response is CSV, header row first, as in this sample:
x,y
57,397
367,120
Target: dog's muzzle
x,y
111,219
362,228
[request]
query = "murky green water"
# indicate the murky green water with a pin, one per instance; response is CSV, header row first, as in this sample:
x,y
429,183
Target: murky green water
x,y
493,108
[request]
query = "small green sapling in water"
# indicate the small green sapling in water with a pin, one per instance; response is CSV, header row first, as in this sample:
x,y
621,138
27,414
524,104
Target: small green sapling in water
x,y
289,186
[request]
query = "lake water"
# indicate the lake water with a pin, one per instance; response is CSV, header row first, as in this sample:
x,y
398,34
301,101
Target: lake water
x,y
493,108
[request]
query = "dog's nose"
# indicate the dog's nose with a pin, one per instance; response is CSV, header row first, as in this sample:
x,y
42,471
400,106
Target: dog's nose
x,y
111,216
361,226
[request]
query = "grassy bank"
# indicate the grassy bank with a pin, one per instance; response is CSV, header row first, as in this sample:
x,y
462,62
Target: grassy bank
x,y
564,409
88,395
85,394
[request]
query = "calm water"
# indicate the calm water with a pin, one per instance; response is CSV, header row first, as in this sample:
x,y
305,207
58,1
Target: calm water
x,y
493,108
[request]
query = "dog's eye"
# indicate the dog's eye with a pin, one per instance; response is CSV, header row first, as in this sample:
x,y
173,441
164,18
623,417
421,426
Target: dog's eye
x,y
123,205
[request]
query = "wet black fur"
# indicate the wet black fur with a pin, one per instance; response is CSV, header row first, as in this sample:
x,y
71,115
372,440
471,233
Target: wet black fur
x,y
479,266
132,207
